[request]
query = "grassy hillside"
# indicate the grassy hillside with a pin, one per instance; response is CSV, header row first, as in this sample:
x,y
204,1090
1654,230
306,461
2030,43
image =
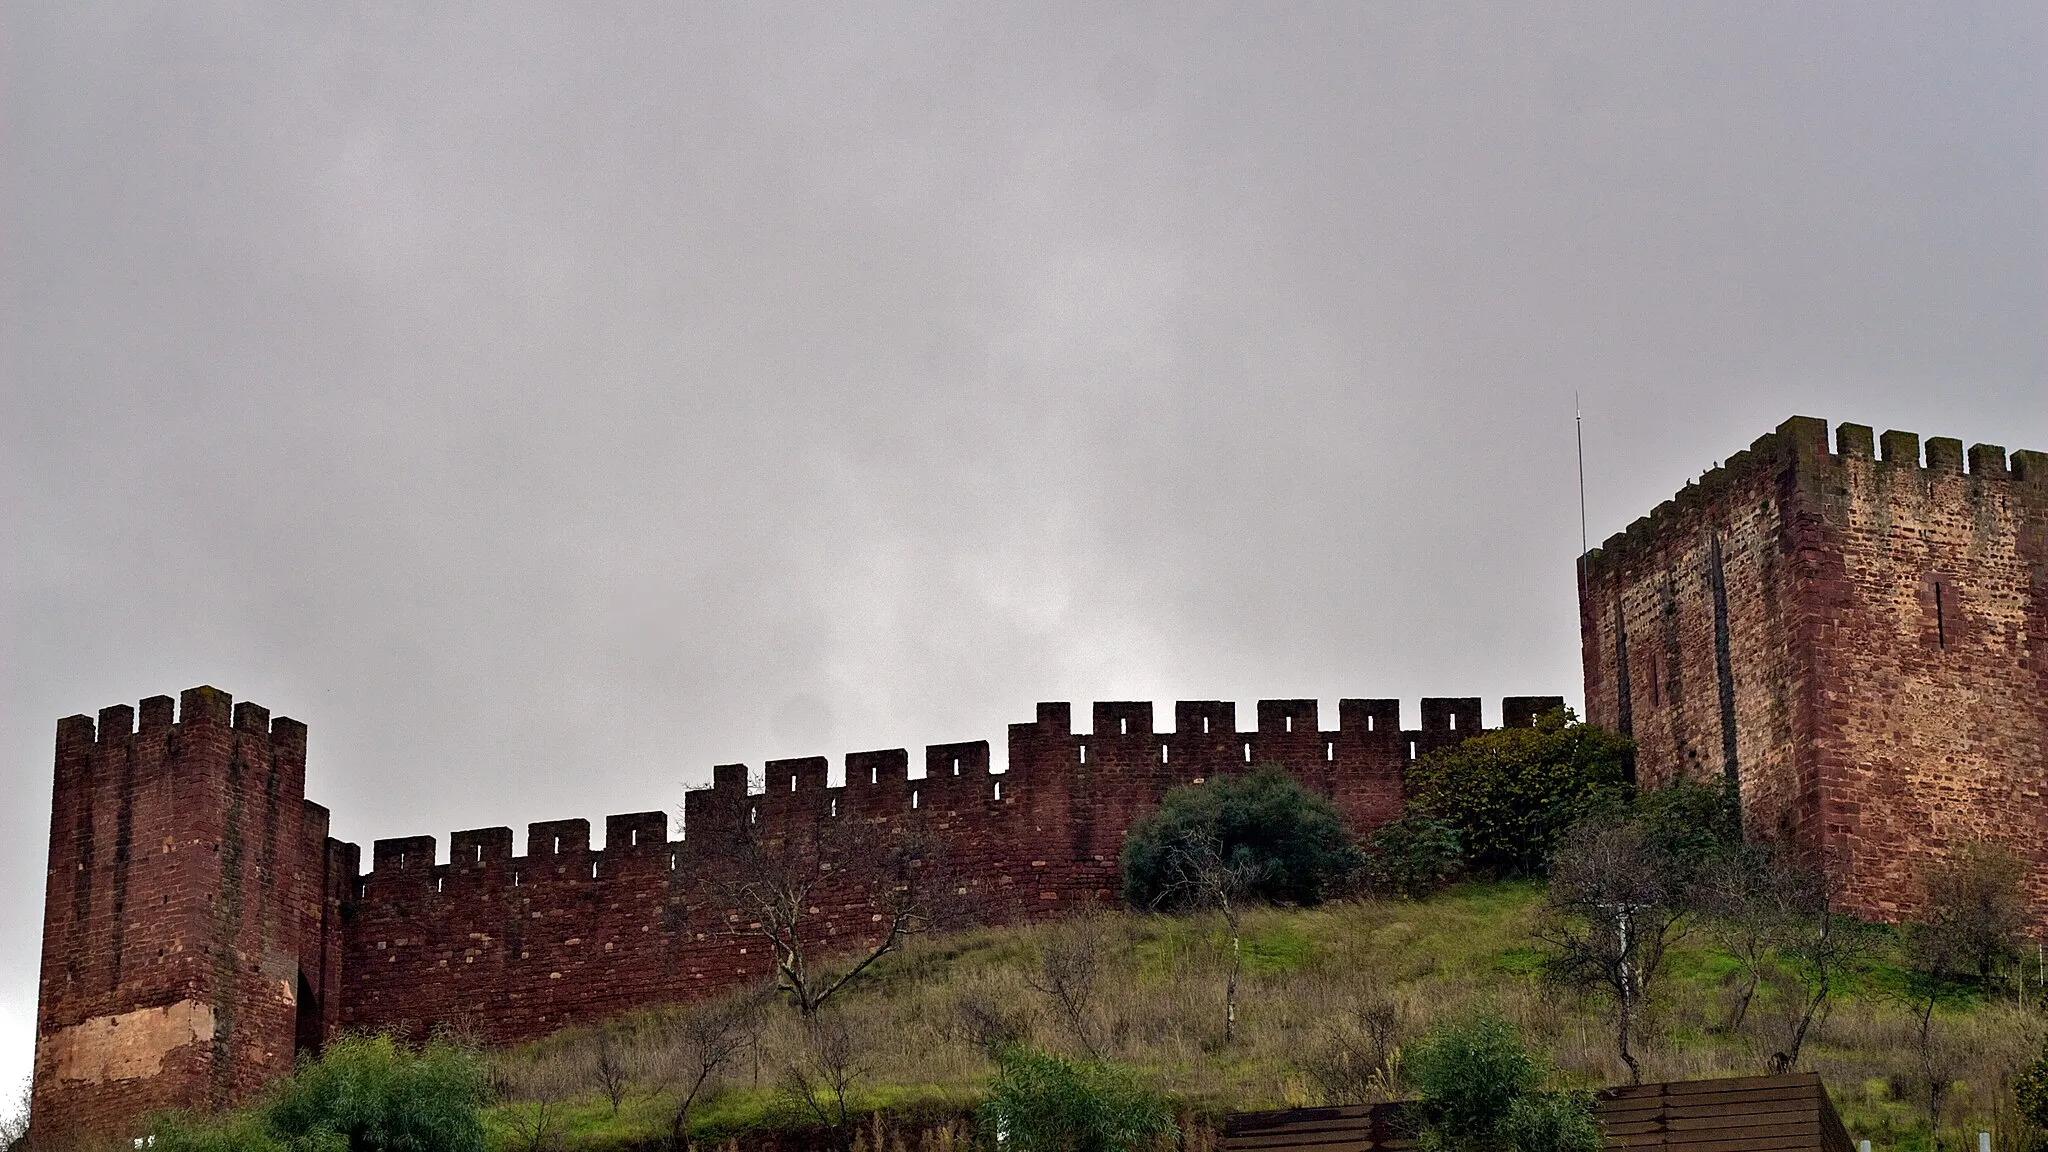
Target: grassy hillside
x,y
1323,993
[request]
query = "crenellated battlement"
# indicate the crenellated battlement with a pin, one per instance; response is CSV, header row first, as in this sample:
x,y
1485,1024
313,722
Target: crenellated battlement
x,y
519,939
1799,447
527,943
878,783
201,707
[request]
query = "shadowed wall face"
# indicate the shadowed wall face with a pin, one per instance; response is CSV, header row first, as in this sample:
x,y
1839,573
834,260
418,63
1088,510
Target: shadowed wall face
x,y
1856,637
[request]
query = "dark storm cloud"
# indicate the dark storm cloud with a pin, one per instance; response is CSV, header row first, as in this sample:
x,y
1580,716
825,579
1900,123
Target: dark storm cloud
x,y
545,404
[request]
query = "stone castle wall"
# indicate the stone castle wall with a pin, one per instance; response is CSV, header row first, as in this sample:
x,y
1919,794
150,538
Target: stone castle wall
x,y
201,926
515,947
1857,636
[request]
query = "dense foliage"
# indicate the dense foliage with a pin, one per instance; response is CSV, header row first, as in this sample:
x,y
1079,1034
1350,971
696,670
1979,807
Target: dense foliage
x,y
1413,856
1294,845
2030,1091
1975,912
1510,793
1044,1103
365,1094
1481,1091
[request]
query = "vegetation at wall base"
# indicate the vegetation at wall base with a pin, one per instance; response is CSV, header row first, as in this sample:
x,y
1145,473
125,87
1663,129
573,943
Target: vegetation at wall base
x,y
1510,793
364,1094
1334,998
1333,1001
1290,847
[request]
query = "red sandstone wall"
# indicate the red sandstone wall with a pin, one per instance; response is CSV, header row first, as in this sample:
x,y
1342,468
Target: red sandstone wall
x,y
1870,730
1654,629
200,923
1936,719
516,947
177,895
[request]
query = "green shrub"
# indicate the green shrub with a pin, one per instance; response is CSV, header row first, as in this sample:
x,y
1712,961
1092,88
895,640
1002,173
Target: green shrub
x,y
1299,843
1414,855
1692,824
239,1132
365,1094
1039,1102
1481,1092
1551,1122
2030,1091
1509,793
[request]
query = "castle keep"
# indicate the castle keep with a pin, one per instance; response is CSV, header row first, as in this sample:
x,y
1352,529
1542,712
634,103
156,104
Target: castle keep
x,y
1857,637
200,926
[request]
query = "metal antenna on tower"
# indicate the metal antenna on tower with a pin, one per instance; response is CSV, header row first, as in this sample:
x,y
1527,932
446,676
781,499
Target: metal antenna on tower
x,y
1579,429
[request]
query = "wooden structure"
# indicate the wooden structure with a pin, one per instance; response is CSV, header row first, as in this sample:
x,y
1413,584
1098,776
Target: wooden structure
x,y
1790,1113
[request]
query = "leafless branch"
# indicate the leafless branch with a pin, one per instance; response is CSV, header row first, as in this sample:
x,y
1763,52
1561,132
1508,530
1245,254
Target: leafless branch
x,y
706,1039
1202,874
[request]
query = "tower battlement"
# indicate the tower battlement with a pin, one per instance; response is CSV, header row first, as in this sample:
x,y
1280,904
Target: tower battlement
x,y
1800,445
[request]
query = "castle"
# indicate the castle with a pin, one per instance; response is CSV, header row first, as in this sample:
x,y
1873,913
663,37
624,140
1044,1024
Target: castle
x,y
200,927
1857,642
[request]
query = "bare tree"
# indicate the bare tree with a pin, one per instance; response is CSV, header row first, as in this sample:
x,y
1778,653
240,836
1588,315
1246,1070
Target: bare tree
x,y
534,1095
613,1077
1819,947
820,1080
1359,1062
1612,913
780,881
1968,925
702,1042
987,1025
1746,898
1200,873
1069,964
1975,898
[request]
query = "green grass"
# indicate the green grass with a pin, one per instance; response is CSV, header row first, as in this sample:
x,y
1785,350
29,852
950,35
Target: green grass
x,y
1306,976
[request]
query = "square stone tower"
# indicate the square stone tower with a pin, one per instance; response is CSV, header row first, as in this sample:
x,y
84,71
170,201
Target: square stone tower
x,y
191,926
1858,638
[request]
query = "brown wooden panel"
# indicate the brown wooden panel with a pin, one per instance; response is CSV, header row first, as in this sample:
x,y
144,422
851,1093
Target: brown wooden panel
x,y
1354,1142
1794,1094
1736,1114
1297,1140
1330,1124
1739,1083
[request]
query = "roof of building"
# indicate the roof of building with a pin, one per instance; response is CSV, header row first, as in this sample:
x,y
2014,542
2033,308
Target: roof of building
x,y
1761,1113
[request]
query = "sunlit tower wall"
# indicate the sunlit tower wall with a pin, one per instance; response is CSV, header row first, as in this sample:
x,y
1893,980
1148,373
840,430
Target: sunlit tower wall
x,y
1855,637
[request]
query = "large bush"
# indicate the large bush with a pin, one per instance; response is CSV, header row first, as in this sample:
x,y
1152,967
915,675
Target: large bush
x,y
365,1094
1481,1091
1510,793
1044,1103
1297,845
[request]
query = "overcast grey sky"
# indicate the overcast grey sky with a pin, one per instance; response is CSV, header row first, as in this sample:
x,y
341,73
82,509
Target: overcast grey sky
x,y
544,404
